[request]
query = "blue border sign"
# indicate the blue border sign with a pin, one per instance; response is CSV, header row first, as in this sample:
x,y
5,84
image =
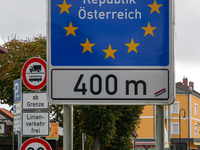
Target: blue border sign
x,y
114,52
110,32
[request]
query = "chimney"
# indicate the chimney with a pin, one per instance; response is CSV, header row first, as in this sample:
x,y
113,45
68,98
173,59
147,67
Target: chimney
x,y
185,80
191,84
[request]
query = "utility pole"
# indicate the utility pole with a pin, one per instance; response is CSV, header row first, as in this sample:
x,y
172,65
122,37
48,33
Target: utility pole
x,y
68,127
160,127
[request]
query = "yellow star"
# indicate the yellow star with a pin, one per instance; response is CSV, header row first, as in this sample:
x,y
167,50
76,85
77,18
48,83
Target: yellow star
x,y
87,46
132,46
149,29
110,52
70,29
155,7
64,7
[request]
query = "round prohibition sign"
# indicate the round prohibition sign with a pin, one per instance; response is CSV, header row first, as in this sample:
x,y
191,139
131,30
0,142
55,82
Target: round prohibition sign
x,y
34,73
35,144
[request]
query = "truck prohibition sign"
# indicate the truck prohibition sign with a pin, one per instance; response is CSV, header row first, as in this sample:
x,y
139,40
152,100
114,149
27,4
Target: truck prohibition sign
x,y
34,73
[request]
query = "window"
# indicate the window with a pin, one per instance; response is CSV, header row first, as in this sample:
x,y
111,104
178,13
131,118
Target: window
x,y
175,128
196,109
175,108
196,129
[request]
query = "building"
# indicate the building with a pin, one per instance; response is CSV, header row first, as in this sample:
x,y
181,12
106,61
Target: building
x,y
6,136
3,50
187,130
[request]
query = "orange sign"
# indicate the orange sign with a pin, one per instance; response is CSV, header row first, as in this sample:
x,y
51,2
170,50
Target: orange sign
x,y
54,132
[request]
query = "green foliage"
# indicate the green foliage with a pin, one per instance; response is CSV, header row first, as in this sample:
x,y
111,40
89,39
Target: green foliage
x,y
119,122
128,123
11,64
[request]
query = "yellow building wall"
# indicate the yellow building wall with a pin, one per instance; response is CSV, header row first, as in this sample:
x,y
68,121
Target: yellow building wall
x,y
183,104
193,129
146,129
146,125
194,101
195,118
148,110
184,128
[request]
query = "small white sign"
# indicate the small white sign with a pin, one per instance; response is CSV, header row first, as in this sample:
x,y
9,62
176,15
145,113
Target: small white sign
x,y
35,123
60,131
35,101
17,108
17,123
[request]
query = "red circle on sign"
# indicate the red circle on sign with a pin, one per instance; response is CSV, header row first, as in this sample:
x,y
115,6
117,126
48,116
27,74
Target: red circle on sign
x,y
24,69
35,140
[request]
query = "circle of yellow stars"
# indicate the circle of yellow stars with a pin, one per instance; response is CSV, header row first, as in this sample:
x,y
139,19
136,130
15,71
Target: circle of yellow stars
x,y
132,46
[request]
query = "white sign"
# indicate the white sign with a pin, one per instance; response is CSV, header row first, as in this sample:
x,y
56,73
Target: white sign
x,y
17,108
35,123
95,84
35,101
60,131
17,123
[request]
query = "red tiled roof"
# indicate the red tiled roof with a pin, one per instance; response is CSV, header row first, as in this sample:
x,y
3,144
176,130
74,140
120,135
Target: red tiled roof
x,y
7,112
3,50
187,88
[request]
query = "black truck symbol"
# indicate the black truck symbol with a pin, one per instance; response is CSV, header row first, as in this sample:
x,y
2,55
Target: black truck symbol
x,y
35,68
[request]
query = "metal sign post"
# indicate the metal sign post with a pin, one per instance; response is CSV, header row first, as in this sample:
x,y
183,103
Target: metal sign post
x,y
17,86
160,127
83,140
68,127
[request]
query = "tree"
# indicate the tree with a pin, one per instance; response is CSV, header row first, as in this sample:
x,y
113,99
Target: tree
x,y
109,127
11,64
127,124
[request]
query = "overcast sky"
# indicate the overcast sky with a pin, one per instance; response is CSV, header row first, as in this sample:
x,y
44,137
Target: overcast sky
x,y
27,18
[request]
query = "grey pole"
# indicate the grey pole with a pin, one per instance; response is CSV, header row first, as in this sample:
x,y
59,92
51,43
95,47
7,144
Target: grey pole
x,y
13,139
68,127
83,140
19,140
160,127
20,135
58,124
169,123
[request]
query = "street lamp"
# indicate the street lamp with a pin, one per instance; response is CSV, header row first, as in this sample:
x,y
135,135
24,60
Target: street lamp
x,y
184,117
